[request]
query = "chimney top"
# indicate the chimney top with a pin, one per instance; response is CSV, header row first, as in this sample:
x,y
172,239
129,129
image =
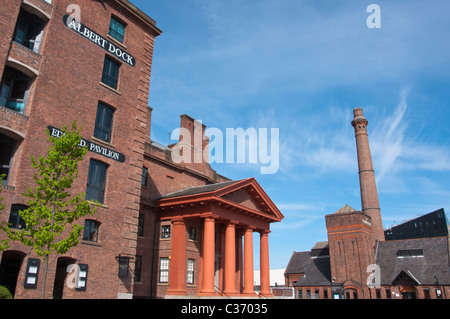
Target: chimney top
x,y
358,116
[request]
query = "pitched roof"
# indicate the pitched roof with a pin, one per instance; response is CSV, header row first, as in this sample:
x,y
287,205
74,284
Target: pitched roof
x,y
258,204
345,209
435,260
316,271
198,189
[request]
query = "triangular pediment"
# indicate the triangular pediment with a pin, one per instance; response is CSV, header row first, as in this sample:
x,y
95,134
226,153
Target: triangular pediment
x,y
244,195
249,194
405,277
241,197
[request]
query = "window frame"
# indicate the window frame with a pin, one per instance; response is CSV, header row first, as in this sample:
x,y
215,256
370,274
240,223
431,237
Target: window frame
x,y
18,222
111,77
91,222
28,24
163,274
101,130
190,271
94,187
192,233
113,30
7,90
137,268
141,220
11,143
165,231
144,179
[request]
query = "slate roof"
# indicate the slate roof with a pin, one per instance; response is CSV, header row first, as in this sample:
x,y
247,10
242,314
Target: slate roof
x,y
316,270
198,190
435,260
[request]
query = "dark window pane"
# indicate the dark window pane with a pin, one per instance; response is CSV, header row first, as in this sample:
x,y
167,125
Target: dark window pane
x,y
15,221
110,74
6,154
96,181
13,90
103,123
117,30
90,231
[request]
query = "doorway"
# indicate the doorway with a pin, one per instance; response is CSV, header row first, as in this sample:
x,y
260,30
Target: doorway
x,y
60,276
10,268
409,295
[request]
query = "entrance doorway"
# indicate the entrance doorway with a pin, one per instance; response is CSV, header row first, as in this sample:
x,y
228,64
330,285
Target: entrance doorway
x,y
60,276
409,295
10,268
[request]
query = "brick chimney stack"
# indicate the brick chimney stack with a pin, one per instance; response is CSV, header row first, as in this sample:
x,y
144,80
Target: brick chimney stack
x,y
368,187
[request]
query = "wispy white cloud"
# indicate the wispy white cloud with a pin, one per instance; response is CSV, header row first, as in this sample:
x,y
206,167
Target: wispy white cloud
x,y
388,137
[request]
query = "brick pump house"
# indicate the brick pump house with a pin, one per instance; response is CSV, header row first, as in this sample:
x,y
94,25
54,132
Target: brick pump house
x,y
161,229
412,260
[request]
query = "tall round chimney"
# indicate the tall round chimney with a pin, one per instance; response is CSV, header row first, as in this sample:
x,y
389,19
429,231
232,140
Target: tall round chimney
x,y
367,184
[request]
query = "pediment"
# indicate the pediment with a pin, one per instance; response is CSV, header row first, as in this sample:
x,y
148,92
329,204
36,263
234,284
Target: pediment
x,y
244,195
249,194
241,197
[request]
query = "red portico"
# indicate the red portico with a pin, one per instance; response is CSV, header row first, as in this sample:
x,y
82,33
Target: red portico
x,y
211,251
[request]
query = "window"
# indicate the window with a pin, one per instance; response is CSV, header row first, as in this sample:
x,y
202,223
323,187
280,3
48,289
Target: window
x,y
29,31
300,294
96,181
144,176
190,271
410,253
110,74
15,221
165,231
90,232
14,90
308,294
378,293
103,122
117,29
7,146
192,233
140,231
137,269
325,294
316,294
388,293
426,293
164,270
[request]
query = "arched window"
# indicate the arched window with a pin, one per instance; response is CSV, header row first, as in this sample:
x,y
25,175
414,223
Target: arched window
x,y
14,89
7,148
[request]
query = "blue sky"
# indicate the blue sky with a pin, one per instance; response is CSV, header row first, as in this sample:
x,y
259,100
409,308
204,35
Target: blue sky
x,y
302,66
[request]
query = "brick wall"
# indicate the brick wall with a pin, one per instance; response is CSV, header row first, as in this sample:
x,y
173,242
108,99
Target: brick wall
x,y
67,88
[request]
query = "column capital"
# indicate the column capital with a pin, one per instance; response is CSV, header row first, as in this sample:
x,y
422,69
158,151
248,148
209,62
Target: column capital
x,y
210,217
249,229
231,223
264,232
178,220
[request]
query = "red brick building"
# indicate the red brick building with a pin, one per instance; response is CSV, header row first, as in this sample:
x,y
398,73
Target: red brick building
x,y
361,261
90,61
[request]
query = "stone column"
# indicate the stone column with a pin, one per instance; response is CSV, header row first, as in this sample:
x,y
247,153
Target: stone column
x,y
177,272
230,259
208,256
264,263
248,262
240,263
